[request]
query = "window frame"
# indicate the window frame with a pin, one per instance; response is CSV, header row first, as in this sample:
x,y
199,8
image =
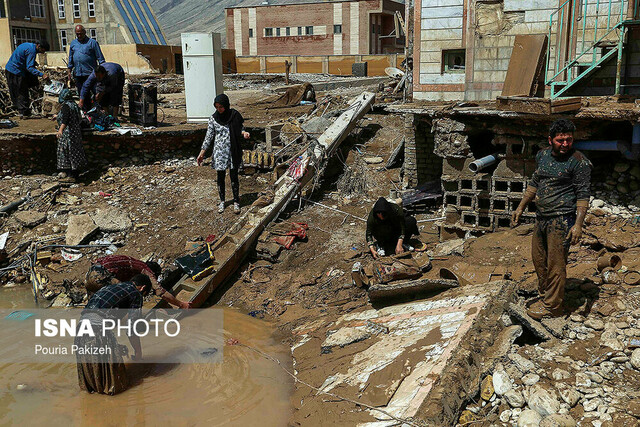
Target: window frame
x,y
337,29
64,40
91,7
287,31
446,54
308,30
62,14
268,31
251,35
37,9
93,33
300,31
277,32
76,9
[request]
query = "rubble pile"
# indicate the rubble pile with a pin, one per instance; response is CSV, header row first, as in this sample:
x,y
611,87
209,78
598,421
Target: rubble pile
x,y
617,190
166,83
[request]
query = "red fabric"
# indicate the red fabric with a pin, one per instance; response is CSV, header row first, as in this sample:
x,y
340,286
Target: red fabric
x,y
296,229
125,267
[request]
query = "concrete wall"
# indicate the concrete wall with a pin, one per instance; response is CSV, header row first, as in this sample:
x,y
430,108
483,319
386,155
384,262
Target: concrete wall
x,y
331,64
135,59
356,18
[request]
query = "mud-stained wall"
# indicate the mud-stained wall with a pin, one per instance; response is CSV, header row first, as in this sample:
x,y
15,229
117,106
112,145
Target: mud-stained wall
x,y
37,154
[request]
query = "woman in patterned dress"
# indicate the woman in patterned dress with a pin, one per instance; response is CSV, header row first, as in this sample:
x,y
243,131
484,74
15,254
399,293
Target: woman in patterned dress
x,y
225,129
71,157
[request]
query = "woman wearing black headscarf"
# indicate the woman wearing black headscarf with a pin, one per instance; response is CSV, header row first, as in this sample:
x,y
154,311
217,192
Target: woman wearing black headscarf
x,y
225,130
388,228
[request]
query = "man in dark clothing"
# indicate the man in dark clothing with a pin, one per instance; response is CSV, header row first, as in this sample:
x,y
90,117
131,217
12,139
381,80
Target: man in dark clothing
x,y
113,269
107,83
388,228
106,373
560,186
84,57
22,74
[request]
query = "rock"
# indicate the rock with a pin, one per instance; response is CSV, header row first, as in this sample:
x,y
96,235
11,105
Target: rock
x,y
582,380
543,401
80,229
570,396
505,415
560,374
622,188
486,388
633,407
558,420
501,382
591,405
621,167
514,398
530,379
373,160
635,358
613,344
634,185
112,220
595,377
529,418
596,324
62,300
597,203
635,171
524,364
450,247
345,336
30,219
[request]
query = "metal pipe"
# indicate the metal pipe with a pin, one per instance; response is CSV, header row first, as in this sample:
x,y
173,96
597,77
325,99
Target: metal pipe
x,y
482,163
13,205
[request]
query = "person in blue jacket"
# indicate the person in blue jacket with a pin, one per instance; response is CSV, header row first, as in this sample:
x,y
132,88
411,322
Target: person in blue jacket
x,y
107,83
84,57
22,74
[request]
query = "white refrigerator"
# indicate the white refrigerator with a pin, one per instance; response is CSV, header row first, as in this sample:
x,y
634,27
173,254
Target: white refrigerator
x,y
202,64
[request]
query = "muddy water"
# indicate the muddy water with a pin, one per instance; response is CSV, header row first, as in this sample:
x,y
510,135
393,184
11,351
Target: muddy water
x,y
245,389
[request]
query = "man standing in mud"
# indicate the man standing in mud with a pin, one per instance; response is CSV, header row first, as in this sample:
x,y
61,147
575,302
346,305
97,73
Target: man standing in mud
x,y
560,186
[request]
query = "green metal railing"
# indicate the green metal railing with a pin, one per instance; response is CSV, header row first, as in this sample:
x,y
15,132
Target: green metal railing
x,y
574,22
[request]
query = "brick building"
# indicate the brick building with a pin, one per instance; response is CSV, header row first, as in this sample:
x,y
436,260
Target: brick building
x,y
350,27
108,21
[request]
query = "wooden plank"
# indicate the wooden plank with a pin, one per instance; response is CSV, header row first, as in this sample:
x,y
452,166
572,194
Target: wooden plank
x,y
531,105
525,64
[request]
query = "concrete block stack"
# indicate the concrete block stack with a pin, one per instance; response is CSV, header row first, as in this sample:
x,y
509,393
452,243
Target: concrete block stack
x,y
484,201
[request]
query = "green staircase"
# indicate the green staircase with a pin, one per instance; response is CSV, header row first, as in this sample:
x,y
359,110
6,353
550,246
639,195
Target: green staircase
x,y
588,33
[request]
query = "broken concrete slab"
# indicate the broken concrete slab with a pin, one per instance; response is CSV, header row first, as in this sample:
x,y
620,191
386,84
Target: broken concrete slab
x,y
346,336
427,351
111,220
374,160
30,219
384,291
532,325
80,229
450,247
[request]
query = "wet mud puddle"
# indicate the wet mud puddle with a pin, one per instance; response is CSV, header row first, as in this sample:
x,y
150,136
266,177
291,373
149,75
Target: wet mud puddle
x,y
244,389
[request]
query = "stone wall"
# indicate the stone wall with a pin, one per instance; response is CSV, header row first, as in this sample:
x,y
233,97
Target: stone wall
x,y
36,154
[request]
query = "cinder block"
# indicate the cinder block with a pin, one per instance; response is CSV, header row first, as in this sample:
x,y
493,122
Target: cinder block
x,y
470,219
510,168
467,185
449,184
500,186
451,199
482,185
517,186
483,204
466,202
485,221
500,205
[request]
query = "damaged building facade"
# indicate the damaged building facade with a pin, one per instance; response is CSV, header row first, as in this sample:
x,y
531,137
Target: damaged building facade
x,y
463,54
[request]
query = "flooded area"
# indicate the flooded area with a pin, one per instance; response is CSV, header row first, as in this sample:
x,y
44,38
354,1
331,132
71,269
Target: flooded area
x,y
245,389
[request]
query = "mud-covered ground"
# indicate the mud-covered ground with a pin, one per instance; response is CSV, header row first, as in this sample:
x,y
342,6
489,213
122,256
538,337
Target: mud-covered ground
x,y
589,369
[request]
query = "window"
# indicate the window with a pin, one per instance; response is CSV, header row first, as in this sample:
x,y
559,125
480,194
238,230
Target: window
x,y
63,38
250,33
61,14
373,28
299,31
268,32
2,10
453,61
76,9
337,29
36,7
91,5
278,32
93,33
308,30
23,35
287,31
